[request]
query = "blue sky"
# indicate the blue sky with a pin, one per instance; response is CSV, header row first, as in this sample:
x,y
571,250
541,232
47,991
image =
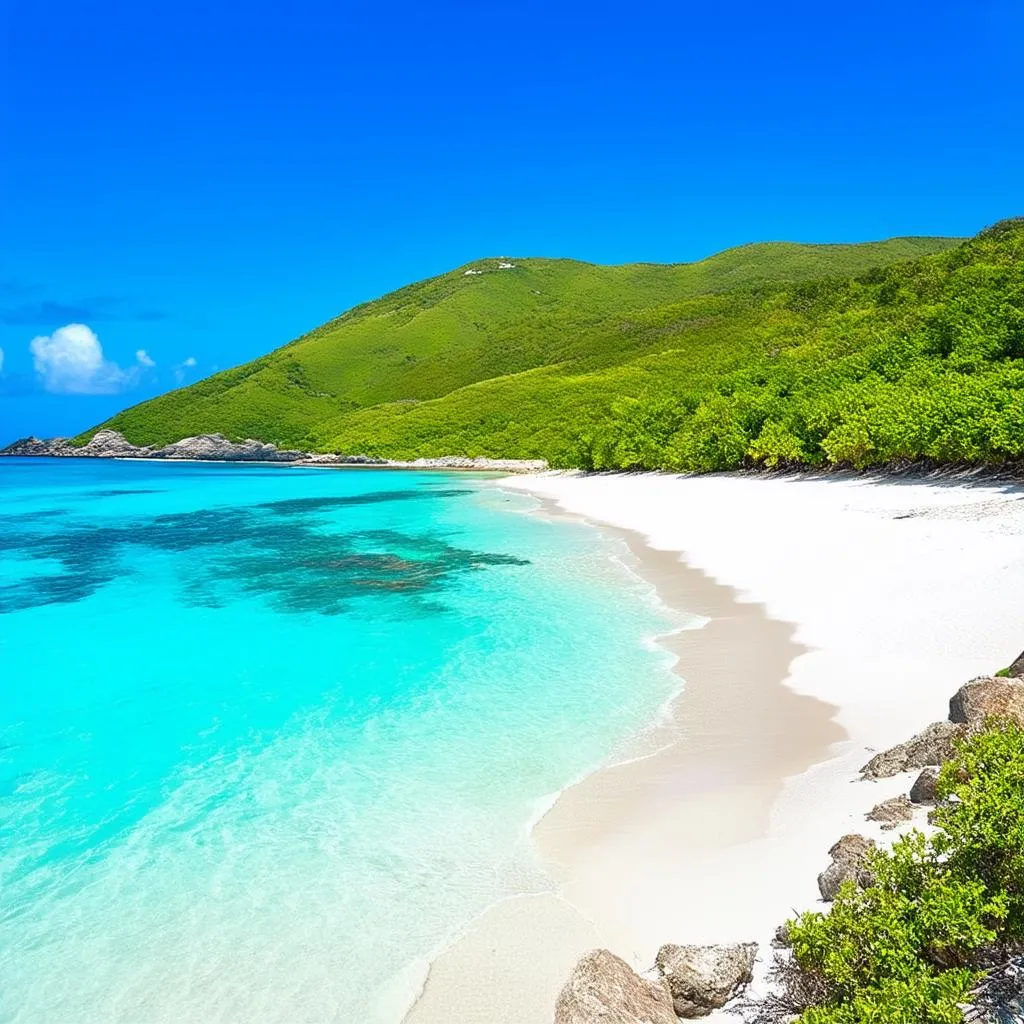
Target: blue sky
x,y
201,182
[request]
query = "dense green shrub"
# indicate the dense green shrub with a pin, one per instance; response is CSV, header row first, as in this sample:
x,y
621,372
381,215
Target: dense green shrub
x,y
907,949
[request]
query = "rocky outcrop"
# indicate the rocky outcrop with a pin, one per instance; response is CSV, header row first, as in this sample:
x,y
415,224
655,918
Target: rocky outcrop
x,y
479,463
1016,670
932,746
982,698
849,864
603,989
892,812
110,444
923,790
35,447
217,448
705,978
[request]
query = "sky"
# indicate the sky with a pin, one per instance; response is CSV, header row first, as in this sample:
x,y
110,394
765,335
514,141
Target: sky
x,y
186,186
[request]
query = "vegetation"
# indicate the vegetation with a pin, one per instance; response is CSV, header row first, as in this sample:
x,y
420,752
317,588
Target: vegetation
x,y
910,948
580,364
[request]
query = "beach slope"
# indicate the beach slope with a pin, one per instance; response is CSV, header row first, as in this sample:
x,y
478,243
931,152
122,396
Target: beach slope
x,y
840,613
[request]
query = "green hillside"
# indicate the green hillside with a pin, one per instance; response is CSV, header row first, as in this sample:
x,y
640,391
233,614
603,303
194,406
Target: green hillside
x,y
771,352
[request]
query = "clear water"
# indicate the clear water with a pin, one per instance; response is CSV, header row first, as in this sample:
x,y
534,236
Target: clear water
x,y
269,737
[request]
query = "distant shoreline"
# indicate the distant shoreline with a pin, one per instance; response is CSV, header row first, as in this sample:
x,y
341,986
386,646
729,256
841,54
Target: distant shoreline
x,y
215,448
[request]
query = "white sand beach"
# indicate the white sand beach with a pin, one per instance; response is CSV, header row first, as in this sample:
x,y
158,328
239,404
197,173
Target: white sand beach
x,y
842,614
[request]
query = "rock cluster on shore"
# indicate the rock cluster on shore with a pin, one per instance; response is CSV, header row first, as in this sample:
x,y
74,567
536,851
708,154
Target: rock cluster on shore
x,y
111,444
692,981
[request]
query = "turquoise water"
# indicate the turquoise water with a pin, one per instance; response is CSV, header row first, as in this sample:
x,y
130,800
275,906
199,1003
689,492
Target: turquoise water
x,y
270,737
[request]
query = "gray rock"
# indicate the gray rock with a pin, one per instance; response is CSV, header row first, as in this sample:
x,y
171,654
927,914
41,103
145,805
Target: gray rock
x,y
932,746
981,698
705,978
849,864
781,939
923,790
892,812
217,448
110,444
34,447
1016,670
603,989
479,463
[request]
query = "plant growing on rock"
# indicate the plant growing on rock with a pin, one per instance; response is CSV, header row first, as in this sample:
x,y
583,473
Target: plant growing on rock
x,y
911,947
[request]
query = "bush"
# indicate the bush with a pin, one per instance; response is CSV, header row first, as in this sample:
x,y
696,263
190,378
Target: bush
x,y
909,948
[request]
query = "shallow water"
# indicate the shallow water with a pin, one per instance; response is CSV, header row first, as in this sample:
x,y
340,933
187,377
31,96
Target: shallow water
x,y
268,737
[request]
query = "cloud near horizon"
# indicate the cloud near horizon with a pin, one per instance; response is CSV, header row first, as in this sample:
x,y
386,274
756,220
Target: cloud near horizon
x,y
70,362
186,364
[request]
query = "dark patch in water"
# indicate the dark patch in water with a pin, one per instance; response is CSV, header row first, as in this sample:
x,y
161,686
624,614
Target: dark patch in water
x,y
278,551
303,506
117,492
318,572
16,522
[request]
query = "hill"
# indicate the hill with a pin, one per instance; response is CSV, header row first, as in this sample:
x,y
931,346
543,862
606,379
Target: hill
x,y
773,352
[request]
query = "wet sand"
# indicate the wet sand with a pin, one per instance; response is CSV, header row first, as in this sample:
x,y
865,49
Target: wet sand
x,y
635,847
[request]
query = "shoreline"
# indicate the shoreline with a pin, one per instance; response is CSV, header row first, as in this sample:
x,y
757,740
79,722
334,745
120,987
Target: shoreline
x,y
898,590
607,839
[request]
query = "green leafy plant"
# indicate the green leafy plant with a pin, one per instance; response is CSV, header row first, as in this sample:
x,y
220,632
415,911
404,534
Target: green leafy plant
x,y
911,946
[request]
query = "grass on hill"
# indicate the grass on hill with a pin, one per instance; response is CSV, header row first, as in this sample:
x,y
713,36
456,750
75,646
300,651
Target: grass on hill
x,y
775,353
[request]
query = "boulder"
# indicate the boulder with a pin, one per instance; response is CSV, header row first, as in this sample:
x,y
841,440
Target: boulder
x,y
603,989
34,448
111,444
849,864
1016,670
981,698
892,812
217,448
705,978
923,790
932,746
782,939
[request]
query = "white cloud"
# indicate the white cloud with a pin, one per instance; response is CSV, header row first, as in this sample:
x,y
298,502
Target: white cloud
x,y
70,362
185,364
143,359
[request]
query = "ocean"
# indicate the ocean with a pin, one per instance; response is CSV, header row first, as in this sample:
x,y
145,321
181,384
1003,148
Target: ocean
x,y
269,737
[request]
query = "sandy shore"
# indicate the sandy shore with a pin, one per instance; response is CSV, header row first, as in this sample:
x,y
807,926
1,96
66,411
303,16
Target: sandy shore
x,y
842,613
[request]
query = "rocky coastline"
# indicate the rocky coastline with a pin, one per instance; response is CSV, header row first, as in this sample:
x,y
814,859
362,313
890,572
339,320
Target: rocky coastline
x,y
689,982
111,444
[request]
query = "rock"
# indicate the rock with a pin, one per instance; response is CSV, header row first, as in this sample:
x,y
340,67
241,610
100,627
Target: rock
x,y
705,978
1016,670
892,812
326,459
104,444
217,448
34,447
923,790
603,989
479,463
782,939
111,444
980,698
849,864
932,746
